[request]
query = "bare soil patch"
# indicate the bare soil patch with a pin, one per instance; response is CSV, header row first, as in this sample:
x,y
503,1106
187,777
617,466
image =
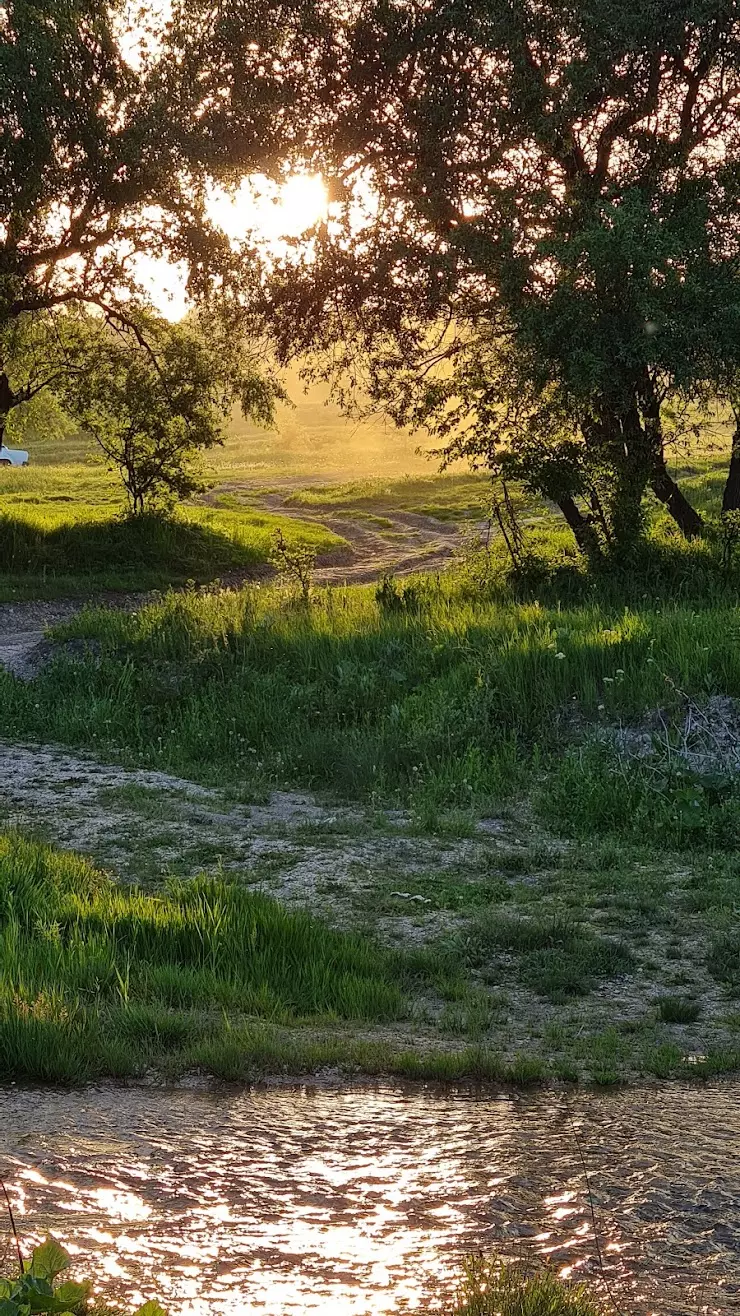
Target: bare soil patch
x,y
390,543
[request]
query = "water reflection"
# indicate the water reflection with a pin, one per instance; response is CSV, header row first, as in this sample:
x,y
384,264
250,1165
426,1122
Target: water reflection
x,y
363,1201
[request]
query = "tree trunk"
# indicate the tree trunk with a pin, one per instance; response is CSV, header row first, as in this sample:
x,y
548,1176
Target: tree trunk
x,y
662,483
665,488
631,448
583,528
731,495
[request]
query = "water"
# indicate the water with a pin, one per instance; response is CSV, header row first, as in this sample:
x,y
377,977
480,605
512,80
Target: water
x,y
359,1201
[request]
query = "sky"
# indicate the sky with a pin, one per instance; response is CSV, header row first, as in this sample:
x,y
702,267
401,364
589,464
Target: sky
x,y
274,212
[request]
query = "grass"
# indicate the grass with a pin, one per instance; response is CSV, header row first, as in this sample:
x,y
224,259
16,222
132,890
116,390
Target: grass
x,y
448,497
449,708
555,957
604,946
97,979
62,532
492,1287
678,1010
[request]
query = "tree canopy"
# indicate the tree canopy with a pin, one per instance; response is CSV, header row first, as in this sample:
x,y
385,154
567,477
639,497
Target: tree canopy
x,y
111,142
535,236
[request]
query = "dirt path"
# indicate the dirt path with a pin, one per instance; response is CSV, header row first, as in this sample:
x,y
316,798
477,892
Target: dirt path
x,y
23,626
382,543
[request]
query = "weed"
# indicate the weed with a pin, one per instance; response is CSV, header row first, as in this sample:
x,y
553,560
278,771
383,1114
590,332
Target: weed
x,y
492,1287
678,1010
723,960
295,562
39,1287
394,598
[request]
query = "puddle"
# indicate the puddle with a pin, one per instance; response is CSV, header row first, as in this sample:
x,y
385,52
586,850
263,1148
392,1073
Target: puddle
x,y
360,1201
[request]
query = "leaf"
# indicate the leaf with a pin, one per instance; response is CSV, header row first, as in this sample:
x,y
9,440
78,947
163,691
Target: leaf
x,y
49,1259
34,1291
8,1308
73,1294
149,1309
6,1288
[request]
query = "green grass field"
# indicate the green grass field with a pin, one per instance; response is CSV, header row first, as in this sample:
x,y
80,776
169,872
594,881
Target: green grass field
x,y
593,718
62,532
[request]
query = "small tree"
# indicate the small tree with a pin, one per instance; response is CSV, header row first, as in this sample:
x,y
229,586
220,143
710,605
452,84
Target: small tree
x,y
111,139
155,397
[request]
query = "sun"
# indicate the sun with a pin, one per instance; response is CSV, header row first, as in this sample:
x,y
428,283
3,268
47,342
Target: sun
x,y
272,211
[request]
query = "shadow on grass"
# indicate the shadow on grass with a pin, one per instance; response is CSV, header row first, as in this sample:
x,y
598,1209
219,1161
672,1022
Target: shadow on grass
x,y
146,549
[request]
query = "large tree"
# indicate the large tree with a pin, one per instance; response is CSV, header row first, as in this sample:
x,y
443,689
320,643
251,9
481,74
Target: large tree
x,y
535,235
111,140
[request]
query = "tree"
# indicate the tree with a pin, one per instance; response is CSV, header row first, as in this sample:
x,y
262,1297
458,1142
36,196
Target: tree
x,y
156,396
534,244
111,141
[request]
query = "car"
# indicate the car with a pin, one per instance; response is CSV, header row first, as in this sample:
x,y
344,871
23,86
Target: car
x,y
13,456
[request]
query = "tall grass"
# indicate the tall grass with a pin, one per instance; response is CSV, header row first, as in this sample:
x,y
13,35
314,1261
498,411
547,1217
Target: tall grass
x,y
96,978
451,705
494,1288
92,545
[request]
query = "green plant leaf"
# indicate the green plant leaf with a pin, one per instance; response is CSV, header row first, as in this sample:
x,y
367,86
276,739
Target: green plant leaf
x,y
8,1308
73,1294
49,1259
149,1309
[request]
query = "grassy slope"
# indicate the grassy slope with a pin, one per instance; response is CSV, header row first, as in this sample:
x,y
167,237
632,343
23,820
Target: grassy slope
x,y
61,532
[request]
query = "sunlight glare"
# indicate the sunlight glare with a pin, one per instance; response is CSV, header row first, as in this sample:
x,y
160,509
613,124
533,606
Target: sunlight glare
x,y
272,211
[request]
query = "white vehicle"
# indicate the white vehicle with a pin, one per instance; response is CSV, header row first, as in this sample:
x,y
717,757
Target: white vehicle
x,y
13,456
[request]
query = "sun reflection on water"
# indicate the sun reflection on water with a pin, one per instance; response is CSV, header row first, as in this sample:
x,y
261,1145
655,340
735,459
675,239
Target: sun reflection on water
x,y
363,1203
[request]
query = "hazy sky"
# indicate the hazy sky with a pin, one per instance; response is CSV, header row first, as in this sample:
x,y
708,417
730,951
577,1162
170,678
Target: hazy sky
x,y
273,212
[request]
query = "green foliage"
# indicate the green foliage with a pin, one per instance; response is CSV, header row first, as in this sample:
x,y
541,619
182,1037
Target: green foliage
x,y
99,979
155,397
678,1010
454,706
593,789
295,562
106,164
64,544
556,957
492,1287
392,597
37,1289
723,960
541,320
